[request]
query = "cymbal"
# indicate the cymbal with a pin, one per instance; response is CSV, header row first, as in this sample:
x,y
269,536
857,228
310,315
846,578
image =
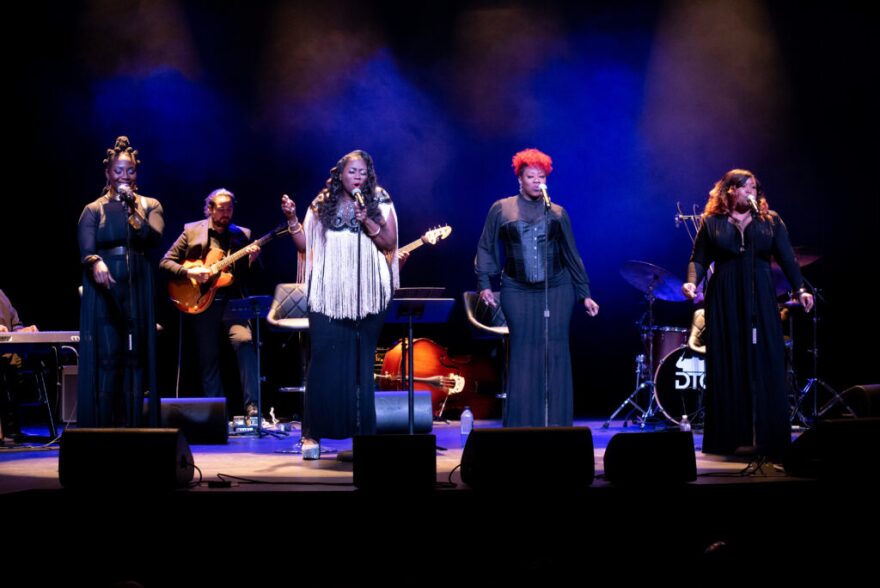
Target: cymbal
x,y
650,278
780,282
805,256
790,304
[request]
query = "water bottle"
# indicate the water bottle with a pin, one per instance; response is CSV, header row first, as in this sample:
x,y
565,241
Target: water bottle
x,y
467,421
684,424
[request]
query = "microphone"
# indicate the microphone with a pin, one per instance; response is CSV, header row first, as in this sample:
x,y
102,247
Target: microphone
x,y
754,204
543,188
127,194
359,197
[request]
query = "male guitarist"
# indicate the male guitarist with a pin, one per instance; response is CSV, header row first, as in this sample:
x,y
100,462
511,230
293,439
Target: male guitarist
x,y
210,239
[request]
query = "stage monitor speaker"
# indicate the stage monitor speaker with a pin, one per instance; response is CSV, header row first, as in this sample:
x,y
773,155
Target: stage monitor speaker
x,y
864,400
395,462
127,459
392,412
552,457
663,457
201,420
836,449
68,393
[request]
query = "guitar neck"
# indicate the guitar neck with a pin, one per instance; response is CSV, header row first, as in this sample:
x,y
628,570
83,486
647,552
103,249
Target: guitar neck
x,y
411,246
229,260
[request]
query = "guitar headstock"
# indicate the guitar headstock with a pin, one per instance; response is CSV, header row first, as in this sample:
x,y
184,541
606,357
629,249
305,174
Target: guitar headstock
x,y
431,237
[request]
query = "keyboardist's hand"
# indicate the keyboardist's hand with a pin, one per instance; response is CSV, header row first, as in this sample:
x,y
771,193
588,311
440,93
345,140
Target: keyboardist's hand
x,y
3,329
29,329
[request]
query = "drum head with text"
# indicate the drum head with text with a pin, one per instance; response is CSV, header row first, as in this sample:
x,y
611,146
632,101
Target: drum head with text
x,y
679,385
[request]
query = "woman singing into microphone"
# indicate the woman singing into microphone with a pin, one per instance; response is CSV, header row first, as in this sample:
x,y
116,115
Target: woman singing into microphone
x,y
348,262
538,243
746,396
117,318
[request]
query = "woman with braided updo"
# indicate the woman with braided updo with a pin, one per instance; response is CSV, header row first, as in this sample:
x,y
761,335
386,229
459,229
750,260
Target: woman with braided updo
x,y
348,263
117,319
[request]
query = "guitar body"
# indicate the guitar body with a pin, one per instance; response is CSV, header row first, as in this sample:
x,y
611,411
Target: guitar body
x,y
191,297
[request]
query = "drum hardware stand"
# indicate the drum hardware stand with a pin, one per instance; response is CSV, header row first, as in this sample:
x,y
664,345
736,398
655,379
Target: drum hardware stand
x,y
815,383
642,383
644,375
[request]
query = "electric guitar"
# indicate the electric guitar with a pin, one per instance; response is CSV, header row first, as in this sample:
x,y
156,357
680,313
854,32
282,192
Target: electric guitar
x,y
430,238
190,296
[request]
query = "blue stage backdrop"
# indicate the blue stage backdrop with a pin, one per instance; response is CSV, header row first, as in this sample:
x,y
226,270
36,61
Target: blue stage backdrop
x,y
641,105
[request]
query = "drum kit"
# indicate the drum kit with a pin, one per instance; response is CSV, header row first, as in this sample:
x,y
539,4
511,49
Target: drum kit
x,y
671,374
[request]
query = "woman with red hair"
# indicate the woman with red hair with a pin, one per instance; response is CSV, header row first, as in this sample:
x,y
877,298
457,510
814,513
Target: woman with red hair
x,y
540,256
746,400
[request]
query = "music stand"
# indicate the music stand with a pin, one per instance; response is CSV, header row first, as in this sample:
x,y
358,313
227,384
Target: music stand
x,y
256,308
409,310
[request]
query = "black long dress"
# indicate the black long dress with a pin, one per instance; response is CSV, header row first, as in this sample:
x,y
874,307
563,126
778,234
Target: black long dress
x,y
346,314
519,223
112,380
746,398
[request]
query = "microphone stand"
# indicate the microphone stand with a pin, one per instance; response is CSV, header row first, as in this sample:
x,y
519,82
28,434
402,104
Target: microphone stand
x,y
357,337
753,323
546,313
128,378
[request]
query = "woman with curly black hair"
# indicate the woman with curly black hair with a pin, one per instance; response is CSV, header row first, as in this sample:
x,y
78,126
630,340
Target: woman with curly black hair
x,y
348,263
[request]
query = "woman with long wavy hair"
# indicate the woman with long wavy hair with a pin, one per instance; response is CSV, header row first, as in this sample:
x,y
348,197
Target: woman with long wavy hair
x,y
348,263
746,402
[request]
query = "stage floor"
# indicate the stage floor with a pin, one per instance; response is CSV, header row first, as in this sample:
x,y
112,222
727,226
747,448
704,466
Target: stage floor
x,y
298,522
267,462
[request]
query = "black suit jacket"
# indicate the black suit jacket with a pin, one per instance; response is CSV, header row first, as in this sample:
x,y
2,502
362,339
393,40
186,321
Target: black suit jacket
x,y
193,244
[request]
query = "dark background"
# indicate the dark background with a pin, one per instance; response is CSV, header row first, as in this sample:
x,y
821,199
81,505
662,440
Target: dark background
x,y
641,105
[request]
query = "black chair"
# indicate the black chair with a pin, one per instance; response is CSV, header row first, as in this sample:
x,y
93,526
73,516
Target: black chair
x,y
488,323
289,313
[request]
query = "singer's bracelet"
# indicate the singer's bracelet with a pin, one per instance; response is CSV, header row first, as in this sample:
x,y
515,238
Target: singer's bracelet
x,y
378,230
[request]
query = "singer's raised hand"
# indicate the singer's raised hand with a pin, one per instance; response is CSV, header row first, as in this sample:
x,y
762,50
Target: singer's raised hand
x,y
288,207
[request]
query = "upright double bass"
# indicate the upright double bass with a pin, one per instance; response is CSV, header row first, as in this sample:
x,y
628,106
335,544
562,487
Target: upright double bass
x,y
454,382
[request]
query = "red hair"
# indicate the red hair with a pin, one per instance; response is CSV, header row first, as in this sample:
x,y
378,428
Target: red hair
x,y
532,158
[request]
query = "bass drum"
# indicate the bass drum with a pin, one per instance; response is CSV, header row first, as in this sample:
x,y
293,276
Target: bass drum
x,y
679,385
